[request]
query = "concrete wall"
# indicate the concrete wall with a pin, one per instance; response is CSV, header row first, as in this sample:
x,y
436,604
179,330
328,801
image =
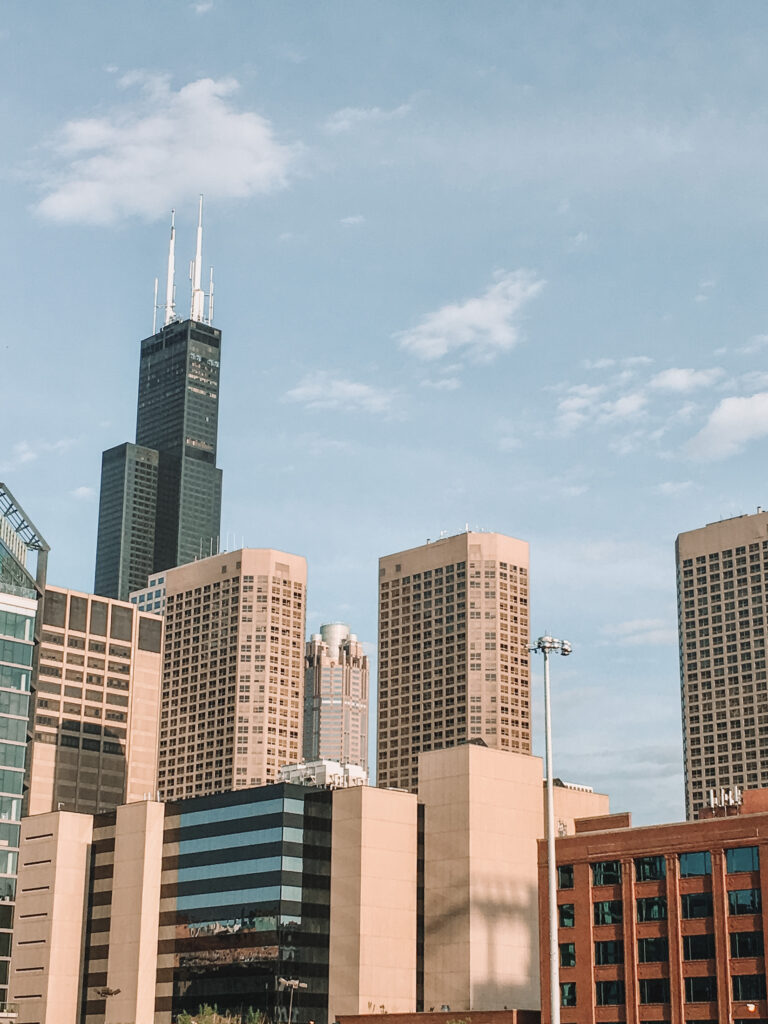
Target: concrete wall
x,y
132,963
484,812
373,902
47,954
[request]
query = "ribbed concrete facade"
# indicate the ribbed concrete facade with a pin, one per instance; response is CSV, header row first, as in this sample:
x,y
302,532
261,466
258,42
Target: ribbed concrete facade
x,y
453,650
96,705
722,585
233,672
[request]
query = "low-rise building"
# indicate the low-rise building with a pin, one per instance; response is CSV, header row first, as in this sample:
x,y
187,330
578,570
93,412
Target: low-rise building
x,y
663,922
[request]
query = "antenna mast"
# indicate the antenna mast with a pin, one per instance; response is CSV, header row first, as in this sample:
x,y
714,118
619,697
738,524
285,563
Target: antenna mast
x,y
170,311
197,311
154,311
210,300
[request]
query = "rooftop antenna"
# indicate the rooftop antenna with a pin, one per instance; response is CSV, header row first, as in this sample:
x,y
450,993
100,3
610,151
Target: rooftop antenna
x,y
170,285
210,300
154,311
197,311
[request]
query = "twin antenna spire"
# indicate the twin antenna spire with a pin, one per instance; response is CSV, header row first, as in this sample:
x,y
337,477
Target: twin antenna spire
x,y
197,308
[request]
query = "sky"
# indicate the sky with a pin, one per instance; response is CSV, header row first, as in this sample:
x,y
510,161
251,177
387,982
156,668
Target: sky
x,y
500,264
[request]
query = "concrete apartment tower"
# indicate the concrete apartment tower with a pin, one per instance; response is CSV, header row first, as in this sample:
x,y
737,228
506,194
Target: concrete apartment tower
x,y
336,681
94,737
453,650
160,503
722,570
233,671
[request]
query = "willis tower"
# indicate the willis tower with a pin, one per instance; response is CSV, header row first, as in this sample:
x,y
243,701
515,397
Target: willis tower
x,y
160,503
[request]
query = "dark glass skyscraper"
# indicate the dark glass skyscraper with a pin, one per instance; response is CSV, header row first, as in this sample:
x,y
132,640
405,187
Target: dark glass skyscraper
x,y
178,416
160,502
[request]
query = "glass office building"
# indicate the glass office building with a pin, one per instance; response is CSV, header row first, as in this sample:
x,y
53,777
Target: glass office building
x,y
19,595
245,902
164,492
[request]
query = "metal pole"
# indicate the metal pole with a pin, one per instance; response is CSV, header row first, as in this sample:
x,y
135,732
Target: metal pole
x,y
290,1005
554,962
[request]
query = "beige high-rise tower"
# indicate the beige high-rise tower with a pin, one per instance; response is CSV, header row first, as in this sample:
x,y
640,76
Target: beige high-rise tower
x,y
94,740
722,570
336,697
453,650
233,671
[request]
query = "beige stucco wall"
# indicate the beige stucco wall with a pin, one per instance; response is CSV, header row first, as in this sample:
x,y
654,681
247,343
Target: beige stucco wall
x,y
47,954
484,812
373,902
132,964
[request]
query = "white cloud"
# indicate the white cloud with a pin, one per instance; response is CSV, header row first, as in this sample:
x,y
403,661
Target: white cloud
x,y
202,6
626,407
642,631
686,379
353,220
577,242
509,443
671,488
755,344
443,384
731,425
83,493
599,364
351,117
160,150
482,327
28,451
586,403
323,390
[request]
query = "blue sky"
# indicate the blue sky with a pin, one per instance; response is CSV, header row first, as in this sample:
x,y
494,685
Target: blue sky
x,y
499,263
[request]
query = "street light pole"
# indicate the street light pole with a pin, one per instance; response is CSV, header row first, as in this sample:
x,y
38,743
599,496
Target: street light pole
x,y
292,984
547,644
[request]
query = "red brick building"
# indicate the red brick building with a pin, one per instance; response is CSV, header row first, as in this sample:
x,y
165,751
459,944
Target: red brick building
x,y
661,923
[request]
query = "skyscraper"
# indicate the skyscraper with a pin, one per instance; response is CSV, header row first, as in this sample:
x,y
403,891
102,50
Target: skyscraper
x,y
127,513
453,650
160,502
336,697
233,671
722,571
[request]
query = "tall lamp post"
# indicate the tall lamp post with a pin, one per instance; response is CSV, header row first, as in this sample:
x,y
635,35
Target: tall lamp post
x,y
292,984
546,645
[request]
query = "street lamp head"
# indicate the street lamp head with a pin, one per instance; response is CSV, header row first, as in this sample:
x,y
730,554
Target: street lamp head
x,y
546,643
551,643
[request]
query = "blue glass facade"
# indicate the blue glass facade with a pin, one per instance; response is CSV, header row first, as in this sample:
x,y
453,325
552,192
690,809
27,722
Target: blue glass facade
x,y
19,593
250,903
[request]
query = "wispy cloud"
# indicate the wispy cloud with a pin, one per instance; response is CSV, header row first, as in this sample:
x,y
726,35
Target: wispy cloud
x,y
481,327
577,242
755,344
731,426
443,384
349,118
672,488
585,404
324,390
354,220
145,155
83,493
202,6
635,632
23,452
686,379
